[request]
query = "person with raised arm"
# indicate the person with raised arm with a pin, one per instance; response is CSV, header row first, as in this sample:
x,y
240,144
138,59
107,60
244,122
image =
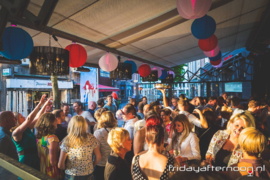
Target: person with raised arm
x,y
25,140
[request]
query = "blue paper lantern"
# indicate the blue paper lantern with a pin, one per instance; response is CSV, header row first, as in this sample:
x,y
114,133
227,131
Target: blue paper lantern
x,y
134,66
164,74
216,58
17,43
204,27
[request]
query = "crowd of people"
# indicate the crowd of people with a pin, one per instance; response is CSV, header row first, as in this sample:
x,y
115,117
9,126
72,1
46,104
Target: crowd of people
x,y
142,140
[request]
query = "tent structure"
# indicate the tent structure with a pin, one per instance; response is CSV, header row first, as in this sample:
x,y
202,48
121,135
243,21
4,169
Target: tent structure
x,y
142,30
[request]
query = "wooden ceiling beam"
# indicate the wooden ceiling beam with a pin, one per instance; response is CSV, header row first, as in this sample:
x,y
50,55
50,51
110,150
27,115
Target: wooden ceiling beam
x,y
16,7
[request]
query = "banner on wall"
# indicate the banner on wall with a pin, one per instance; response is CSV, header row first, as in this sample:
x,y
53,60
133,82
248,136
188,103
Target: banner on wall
x,y
89,85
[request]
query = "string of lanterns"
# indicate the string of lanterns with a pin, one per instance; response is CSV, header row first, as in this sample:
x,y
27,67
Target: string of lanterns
x,y
109,63
202,28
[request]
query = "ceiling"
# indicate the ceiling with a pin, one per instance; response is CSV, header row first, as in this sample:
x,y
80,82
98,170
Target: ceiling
x,y
152,30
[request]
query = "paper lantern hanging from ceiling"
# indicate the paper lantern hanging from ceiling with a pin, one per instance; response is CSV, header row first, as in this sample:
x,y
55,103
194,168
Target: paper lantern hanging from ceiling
x,y
17,43
144,70
212,53
193,9
164,74
171,72
215,63
218,66
133,64
216,58
157,69
77,55
208,44
204,27
108,62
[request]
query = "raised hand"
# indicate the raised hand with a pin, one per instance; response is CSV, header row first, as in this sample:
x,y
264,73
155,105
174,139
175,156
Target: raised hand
x,y
49,100
197,111
43,99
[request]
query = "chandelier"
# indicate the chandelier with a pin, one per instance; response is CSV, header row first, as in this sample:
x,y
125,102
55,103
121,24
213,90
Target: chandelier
x,y
47,60
122,72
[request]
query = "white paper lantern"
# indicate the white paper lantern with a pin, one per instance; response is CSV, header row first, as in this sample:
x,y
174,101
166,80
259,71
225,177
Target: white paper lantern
x,y
108,62
193,9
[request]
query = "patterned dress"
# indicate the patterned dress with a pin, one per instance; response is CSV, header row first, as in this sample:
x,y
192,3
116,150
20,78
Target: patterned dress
x,y
79,160
43,152
137,174
217,142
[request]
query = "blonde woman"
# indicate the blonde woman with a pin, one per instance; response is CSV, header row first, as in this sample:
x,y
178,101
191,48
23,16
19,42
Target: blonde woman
x,y
97,115
252,143
106,122
224,149
117,167
183,140
77,151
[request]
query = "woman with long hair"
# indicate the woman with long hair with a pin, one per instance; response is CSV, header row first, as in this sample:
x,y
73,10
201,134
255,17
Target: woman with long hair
x,y
152,164
224,149
77,150
48,145
24,139
106,122
182,140
165,116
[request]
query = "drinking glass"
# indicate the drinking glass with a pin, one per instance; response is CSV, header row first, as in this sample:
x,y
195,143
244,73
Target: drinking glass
x,y
175,151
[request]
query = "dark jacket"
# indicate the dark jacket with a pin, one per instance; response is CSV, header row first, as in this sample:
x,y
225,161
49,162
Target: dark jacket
x,y
117,168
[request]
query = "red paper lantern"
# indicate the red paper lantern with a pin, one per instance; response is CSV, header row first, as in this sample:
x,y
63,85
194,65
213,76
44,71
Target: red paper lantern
x,y
208,44
215,63
144,70
114,95
77,55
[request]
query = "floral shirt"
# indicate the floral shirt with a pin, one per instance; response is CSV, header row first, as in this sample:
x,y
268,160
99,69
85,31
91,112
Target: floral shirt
x,y
217,141
79,159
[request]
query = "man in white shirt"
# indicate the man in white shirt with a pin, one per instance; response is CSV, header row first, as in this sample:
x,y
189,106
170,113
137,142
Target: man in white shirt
x,y
130,117
77,107
140,123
